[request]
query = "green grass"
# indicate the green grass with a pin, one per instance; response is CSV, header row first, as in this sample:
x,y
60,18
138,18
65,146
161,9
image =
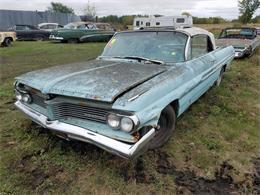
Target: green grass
x,y
222,126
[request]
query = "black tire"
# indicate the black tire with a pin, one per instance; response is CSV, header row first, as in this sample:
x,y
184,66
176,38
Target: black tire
x,y
167,123
250,52
220,77
7,42
73,41
40,38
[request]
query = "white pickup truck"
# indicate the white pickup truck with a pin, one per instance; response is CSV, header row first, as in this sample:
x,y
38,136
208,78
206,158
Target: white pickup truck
x,y
6,38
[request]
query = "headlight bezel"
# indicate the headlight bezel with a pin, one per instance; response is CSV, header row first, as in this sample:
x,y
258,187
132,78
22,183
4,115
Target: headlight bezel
x,y
134,119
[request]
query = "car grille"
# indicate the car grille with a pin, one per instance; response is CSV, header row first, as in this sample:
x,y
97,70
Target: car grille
x,y
67,110
63,110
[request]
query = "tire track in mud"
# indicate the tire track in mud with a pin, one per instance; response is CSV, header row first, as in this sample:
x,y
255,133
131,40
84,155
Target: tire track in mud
x,y
188,182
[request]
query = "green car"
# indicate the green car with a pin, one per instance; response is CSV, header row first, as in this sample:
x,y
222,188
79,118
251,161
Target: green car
x,y
83,32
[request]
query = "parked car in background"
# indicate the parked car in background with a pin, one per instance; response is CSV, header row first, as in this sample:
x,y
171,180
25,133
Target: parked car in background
x,y
258,31
81,32
49,26
29,32
6,38
128,99
244,40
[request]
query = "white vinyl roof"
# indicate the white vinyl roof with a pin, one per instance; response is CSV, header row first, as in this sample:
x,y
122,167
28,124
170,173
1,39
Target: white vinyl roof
x,y
198,31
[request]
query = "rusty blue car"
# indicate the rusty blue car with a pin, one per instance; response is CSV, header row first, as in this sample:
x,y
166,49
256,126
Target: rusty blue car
x,y
128,99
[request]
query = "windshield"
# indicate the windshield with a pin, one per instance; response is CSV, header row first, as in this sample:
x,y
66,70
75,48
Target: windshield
x,y
168,47
70,26
243,33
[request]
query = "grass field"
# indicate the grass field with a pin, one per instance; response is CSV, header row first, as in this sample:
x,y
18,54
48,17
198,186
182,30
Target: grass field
x,y
215,150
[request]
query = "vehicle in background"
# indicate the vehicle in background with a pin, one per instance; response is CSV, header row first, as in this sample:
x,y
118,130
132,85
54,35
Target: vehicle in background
x,y
82,32
49,26
6,38
244,40
29,32
128,99
258,31
164,21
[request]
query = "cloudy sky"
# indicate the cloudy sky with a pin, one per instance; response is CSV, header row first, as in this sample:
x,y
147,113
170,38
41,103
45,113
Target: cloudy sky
x,y
203,8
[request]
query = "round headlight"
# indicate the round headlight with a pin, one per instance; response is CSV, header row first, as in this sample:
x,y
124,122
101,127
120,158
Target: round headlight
x,y
127,124
26,98
113,121
18,96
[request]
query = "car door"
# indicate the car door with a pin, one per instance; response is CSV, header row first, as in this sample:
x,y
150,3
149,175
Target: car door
x,y
201,62
22,32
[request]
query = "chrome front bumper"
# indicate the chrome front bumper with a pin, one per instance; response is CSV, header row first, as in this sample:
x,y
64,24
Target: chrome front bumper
x,y
74,132
239,54
55,38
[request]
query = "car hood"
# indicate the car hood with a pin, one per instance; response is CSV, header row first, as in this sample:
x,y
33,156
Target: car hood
x,y
96,80
233,42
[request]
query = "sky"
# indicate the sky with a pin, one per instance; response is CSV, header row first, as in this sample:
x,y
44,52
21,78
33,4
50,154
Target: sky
x,y
203,8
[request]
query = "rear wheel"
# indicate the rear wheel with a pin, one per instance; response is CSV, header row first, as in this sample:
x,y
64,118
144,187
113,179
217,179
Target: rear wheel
x,y
167,123
7,42
73,41
39,38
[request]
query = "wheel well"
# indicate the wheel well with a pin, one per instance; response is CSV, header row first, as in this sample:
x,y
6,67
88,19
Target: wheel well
x,y
224,67
9,38
175,105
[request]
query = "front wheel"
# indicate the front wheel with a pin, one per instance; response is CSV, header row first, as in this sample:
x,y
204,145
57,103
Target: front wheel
x,y
167,123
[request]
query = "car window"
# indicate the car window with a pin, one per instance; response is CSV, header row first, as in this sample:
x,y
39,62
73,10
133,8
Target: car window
x,y
137,23
82,26
147,24
238,33
199,46
20,27
28,28
164,46
44,27
51,26
180,20
91,26
70,26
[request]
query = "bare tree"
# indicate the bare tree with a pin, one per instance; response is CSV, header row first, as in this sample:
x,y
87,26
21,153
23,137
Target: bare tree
x,y
89,12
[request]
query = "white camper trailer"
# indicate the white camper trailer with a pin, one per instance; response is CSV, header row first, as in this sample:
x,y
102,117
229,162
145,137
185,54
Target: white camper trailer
x,y
164,21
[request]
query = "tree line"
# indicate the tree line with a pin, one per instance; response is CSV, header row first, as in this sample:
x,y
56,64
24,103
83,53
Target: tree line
x,y
247,8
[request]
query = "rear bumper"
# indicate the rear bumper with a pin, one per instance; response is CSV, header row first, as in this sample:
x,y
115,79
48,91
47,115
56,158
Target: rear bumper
x,y
74,132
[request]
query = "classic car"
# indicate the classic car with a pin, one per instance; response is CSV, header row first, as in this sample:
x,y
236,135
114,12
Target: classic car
x,y
49,26
128,99
81,32
244,40
29,32
6,38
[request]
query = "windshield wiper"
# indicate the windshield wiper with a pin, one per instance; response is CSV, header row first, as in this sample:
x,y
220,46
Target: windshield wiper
x,y
140,58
